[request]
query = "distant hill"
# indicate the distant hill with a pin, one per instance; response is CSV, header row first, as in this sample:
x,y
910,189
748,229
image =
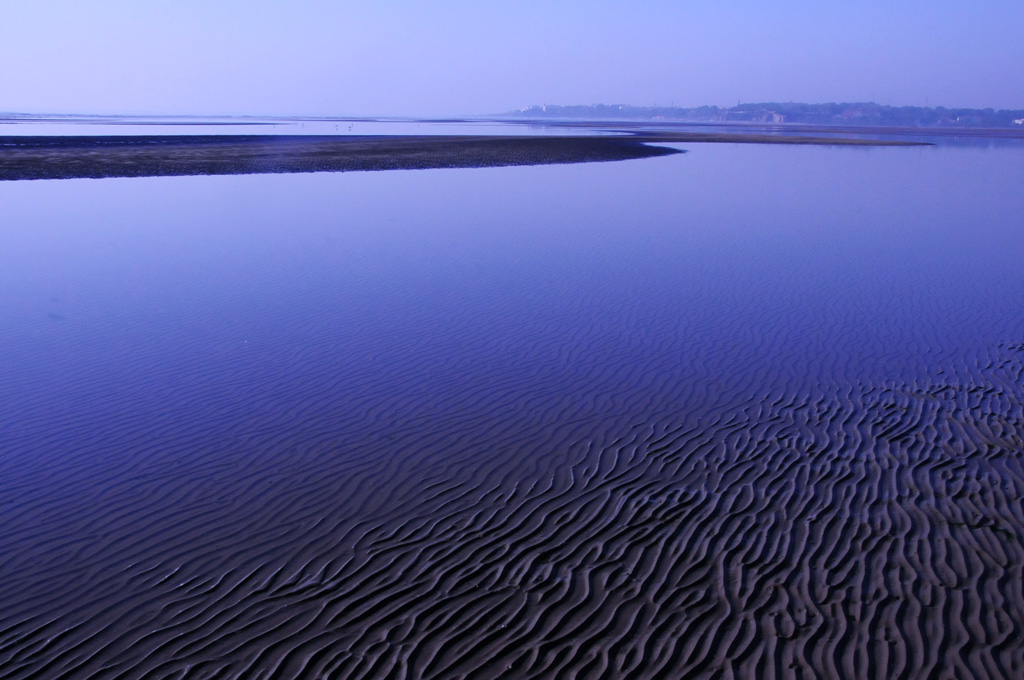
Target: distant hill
x,y
818,114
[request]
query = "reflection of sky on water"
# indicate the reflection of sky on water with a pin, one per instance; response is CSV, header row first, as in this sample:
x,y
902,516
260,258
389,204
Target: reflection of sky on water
x,y
194,125
270,126
794,261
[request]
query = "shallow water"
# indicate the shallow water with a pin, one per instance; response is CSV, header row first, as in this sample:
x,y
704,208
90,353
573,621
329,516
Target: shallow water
x,y
121,125
750,409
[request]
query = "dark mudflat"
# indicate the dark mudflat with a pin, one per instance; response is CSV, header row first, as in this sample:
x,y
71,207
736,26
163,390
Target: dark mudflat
x,y
149,156
76,157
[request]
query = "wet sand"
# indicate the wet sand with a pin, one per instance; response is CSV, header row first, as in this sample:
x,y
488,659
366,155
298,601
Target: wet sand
x,y
75,157
150,156
871,532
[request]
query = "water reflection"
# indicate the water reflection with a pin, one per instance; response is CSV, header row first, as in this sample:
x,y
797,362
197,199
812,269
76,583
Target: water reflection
x,y
338,424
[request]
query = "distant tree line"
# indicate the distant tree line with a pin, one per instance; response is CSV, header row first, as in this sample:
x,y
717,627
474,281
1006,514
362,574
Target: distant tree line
x,y
860,113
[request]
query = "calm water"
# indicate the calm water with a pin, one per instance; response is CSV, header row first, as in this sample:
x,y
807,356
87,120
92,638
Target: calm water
x,y
116,125
196,371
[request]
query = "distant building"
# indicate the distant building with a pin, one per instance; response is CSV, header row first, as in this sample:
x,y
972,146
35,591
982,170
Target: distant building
x,y
1019,121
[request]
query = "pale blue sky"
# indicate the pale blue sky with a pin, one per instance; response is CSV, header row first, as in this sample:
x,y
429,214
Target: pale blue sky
x,y
452,58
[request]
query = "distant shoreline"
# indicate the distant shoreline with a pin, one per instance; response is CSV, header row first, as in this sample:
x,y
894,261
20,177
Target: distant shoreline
x,y
859,114
72,157
735,129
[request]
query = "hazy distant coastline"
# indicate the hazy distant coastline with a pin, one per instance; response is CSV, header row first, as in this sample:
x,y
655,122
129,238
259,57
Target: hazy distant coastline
x,y
858,113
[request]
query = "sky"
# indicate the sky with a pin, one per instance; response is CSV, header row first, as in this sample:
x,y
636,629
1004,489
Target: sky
x,y
441,58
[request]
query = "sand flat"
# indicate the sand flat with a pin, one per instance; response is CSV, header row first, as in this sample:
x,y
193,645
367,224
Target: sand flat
x,y
75,157
745,543
149,156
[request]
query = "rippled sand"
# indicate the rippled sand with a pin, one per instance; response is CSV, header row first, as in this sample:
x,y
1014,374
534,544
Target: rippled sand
x,y
868,532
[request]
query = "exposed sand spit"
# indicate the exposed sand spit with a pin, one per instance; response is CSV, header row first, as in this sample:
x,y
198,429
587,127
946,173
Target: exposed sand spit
x,y
73,157
84,157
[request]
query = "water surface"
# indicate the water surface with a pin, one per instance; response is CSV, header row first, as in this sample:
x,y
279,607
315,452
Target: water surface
x,y
748,409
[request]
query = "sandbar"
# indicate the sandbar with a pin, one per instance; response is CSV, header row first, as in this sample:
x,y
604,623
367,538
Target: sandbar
x,y
70,157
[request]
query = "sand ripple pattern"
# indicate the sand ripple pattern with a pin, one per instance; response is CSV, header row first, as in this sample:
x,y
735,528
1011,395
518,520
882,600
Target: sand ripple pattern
x,y
873,531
